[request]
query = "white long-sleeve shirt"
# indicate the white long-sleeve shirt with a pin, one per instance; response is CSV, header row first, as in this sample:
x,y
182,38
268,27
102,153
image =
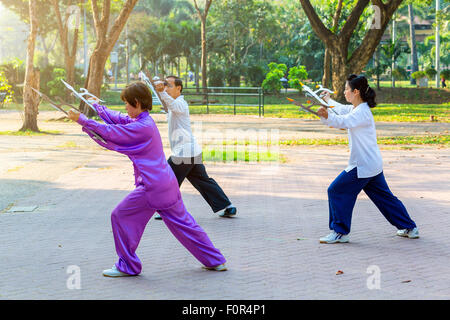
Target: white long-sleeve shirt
x,y
362,137
182,141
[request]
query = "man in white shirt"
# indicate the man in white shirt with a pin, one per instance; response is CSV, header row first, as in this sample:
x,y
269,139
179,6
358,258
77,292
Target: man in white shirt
x,y
186,157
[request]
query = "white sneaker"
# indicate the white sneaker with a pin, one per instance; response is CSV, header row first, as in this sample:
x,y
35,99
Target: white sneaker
x,y
335,237
410,233
113,272
221,267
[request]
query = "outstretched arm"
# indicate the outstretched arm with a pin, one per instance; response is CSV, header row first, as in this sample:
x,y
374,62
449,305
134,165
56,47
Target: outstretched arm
x,y
110,116
356,118
176,106
129,134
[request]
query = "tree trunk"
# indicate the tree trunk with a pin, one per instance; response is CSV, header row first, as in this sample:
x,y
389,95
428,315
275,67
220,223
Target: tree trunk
x,y
412,35
377,60
340,71
326,80
204,55
30,98
393,58
196,77
105,43
69,55
338,40
94,79
202,17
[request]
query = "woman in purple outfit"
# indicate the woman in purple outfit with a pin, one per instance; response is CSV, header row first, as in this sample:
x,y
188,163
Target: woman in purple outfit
x,y
137,136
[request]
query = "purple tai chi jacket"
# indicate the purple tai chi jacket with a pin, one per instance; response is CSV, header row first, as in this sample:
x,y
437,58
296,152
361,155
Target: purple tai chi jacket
x,y
140,140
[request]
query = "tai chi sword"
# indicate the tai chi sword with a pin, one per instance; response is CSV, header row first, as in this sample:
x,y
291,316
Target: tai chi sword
x,y
306,108
150,84
315,94
59,108
81,95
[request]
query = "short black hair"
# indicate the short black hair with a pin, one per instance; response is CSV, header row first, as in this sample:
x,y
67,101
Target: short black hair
x,y
137,91
178,82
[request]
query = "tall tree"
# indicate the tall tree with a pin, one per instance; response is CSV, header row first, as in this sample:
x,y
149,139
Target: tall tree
x,y
106,39
326,80
69,53
337,42
412,35
30,98
203,15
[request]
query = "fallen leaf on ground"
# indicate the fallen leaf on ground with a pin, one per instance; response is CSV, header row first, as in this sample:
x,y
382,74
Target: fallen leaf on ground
x,y
339,272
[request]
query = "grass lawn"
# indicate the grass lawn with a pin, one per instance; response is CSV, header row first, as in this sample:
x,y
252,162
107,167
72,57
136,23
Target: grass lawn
x,y
395,140
29,133
219,155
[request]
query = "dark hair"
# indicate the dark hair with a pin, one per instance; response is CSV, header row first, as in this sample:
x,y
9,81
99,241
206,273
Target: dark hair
x,y
137,91
360,83
178,82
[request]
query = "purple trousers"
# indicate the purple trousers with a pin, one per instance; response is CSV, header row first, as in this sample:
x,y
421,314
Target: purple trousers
x,y
130,217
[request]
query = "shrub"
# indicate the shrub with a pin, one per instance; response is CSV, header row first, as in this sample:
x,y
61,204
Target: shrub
x,y
418,75
296,74
445,74
55,86
272,81
400,73
216,77
233,75
14,73
255,75
6,87
430,73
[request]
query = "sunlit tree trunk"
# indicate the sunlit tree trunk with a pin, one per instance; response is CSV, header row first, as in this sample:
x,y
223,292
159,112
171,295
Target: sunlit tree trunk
x,y
30,98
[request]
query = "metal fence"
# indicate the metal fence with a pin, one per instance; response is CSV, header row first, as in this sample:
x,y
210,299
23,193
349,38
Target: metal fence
x,y
217,96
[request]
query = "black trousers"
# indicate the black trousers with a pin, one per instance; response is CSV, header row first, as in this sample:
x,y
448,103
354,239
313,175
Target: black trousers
x,y
194,170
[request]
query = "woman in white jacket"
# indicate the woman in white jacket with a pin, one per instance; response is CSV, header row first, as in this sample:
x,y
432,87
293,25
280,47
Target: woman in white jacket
x,y
365,167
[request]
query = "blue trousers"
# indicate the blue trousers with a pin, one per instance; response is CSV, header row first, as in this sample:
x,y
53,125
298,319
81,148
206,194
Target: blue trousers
x,y
344,190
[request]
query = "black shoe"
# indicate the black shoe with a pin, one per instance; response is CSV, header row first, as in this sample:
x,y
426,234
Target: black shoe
x,y
228,212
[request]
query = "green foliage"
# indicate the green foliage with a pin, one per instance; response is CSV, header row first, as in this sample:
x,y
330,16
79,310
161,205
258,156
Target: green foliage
x,y
272,81
445,74
430,73
418,75
400,73
255,75
14,73
216,77
56,86
296,74
5,87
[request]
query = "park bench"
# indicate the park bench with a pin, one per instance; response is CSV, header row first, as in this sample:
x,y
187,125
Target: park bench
x,y
2,98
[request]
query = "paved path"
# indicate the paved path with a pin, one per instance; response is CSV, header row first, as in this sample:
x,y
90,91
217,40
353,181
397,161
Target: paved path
x,y
272,245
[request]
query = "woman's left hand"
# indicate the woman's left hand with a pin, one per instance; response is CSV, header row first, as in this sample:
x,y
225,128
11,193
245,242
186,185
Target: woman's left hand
x,y
323,112
73,115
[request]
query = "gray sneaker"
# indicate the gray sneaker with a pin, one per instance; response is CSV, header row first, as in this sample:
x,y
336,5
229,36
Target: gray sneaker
x,y
410,233
335,237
